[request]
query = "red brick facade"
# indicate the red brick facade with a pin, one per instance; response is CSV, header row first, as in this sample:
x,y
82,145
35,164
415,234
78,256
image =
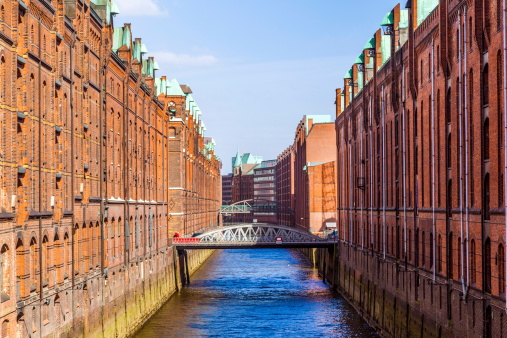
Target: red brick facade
x,y
97,171
313,145
285,187
421,170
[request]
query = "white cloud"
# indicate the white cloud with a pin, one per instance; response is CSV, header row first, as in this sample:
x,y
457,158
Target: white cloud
x,y
185,59
140,8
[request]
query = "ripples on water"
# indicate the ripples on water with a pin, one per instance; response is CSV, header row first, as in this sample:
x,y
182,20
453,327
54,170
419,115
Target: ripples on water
x,y
256,293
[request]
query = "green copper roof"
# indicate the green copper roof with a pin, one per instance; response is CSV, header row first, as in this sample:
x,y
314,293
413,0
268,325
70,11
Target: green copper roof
x,y
424,8
388,19
348,75
126,37
236,160
143,49
114,8
404,19
174,89
121,37
360,81
155,65
161,85
360,59
370,44
148,67
188,102
386,48
117,38
136,53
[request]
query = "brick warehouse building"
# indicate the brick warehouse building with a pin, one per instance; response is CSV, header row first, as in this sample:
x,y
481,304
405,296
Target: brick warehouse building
x,y
265,192
101,162
285,187
420,133
314,205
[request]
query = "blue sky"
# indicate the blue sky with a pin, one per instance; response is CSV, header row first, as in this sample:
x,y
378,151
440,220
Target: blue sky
x,y
255,67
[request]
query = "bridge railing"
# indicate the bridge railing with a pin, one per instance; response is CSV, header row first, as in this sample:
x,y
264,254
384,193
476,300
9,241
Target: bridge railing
x,y
184,240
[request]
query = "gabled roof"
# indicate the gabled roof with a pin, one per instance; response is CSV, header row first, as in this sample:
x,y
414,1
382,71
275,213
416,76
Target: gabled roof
x,y
370,44
388,19
360,59
174,89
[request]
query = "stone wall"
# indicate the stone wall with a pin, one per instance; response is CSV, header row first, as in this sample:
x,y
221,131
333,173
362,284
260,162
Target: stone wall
x,y
403,303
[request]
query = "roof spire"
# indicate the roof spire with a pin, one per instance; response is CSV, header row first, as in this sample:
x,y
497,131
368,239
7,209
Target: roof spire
x,y
237,160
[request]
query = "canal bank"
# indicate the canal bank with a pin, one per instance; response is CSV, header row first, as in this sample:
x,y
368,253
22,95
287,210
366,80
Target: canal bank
x,y
390,296
124,316
256,293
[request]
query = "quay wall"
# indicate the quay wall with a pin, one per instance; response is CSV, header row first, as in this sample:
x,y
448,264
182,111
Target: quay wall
x,y
403,303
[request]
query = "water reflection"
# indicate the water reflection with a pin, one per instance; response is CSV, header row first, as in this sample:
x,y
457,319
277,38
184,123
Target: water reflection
x,y
256,293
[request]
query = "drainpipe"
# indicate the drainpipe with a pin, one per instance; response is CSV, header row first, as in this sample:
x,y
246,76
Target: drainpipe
x,y
350,182
404,162
383,176
505,120
343,178
460,153
361,164
433,146
371,181
39,156
465,77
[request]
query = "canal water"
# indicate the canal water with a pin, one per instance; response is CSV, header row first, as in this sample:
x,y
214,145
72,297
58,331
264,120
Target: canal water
x,y
256,293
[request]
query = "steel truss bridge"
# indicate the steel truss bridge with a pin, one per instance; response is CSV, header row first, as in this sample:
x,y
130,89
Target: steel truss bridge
x,y
256,235
255,206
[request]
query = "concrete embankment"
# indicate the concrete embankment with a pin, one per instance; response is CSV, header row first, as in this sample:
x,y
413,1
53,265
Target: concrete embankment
x,y
387,295
148,285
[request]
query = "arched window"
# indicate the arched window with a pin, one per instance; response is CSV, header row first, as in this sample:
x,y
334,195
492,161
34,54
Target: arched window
x,y
501,269
46,261
487,16
499,14
430,62
487,268
431,251
449,150
472,262
450,263
5,323
485,85
34,262
457,45
423,242
439,253
470,32
459,275
77,251
438,59
486,139
5,270
422,73
488,323
486,197
448,106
